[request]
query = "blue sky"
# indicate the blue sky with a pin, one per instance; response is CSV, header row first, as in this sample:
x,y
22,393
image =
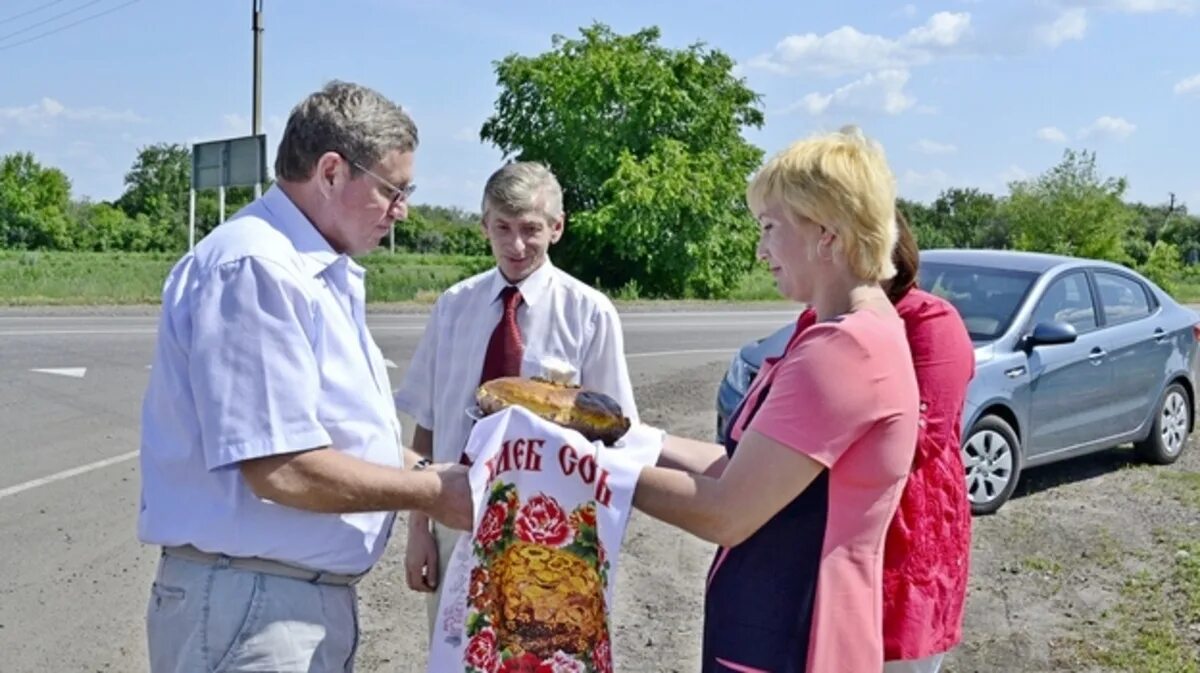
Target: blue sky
x,y
961,93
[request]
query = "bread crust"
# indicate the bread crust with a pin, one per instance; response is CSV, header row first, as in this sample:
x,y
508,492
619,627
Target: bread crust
x,y
595,415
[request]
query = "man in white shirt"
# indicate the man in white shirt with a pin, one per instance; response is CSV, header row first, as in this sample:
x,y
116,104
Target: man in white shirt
x,y
503,322
270,454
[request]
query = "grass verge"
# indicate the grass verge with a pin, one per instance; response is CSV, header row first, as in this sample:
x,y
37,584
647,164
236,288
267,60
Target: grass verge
x,y
83,278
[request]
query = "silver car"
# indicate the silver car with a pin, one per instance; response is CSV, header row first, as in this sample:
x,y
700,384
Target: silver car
x,y
1072,356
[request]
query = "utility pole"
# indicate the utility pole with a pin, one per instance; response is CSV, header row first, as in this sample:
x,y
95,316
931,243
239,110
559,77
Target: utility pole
x,y
256,26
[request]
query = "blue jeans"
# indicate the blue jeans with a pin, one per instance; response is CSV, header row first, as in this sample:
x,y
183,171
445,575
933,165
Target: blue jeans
x,y
215,619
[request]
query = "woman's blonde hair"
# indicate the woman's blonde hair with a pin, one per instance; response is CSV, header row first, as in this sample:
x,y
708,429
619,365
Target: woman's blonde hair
x,y
842,181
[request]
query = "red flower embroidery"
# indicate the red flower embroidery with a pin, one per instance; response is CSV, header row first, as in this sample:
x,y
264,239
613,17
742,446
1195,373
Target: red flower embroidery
x,y
584,516
481,651
491,527
602,656
564,663
479,580
542,521
526,663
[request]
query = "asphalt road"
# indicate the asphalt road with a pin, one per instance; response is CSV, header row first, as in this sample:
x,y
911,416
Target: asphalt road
x,y
75,579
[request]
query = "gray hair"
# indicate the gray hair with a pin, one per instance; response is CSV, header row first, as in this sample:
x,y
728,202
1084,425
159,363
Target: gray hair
x,y
524,187
355,121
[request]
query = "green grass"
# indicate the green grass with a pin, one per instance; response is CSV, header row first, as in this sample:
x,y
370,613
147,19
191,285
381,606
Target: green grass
x,y
1153,619
758,285
41,278
50,277
1183,486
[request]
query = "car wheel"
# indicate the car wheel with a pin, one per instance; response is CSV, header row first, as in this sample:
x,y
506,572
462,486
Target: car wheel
x,y
992,458
1169,432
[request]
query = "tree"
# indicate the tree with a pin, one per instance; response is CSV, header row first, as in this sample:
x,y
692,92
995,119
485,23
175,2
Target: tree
x,y
607,111
1071,210
34,205
674,223
103,227
970,218
157,188
923,222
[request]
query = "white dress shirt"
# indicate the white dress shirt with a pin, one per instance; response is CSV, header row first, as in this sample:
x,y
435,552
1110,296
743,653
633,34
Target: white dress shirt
x,y
560,317
263,349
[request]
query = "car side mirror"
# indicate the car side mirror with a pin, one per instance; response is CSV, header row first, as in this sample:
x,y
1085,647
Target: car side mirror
x,y
1049,334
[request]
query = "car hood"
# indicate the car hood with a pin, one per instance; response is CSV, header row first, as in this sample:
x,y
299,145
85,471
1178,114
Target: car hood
x,y
773,344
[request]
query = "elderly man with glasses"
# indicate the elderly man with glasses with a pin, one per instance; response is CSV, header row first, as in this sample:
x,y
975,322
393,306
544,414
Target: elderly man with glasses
x,y
271,455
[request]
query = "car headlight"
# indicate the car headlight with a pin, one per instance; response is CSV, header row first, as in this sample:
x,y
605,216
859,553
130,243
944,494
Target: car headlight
x,y
738,376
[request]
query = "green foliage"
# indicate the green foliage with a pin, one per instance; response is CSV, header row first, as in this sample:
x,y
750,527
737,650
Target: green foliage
x,y
673,224
57,277
970,218
1071,210
1162,265
609,112
33,205
446,231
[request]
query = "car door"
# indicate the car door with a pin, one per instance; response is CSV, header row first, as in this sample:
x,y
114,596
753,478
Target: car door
x,y
1069,383
1137,346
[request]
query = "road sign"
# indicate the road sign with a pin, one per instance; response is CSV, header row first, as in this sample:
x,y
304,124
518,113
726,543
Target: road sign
x,y
231,162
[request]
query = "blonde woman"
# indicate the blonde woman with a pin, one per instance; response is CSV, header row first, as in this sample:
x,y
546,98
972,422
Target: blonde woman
x,y
800,498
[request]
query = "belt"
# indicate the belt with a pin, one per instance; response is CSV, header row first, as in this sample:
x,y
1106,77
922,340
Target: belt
x,y
262,565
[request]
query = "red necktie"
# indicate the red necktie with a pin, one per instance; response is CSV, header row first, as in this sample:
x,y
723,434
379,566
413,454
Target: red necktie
x,y
505,348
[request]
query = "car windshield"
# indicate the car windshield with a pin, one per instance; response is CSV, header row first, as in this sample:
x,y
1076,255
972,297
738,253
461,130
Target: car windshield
x,y
986,298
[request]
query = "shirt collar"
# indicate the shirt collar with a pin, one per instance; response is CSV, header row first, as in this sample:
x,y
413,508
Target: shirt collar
x,y
533,288
303,234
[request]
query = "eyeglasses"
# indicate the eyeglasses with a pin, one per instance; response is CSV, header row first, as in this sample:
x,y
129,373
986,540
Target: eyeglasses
x,y
398,193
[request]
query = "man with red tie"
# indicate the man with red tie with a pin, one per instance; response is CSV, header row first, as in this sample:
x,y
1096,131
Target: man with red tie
x,y
503,322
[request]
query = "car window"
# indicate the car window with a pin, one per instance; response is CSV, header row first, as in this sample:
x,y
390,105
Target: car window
x,y
1069,300
986,298
1123,298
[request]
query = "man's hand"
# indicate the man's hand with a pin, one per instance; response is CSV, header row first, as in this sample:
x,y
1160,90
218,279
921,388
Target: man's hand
x,y
421,555
453,507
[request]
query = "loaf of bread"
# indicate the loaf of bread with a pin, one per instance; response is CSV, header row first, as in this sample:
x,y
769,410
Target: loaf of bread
x,y
595,415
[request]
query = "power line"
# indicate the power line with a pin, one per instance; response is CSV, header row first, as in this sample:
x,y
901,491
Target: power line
x,y
27,12
64,27
43,22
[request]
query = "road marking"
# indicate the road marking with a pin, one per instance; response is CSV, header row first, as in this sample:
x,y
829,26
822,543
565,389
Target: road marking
x,y
66,474
699,351
73,372
83,332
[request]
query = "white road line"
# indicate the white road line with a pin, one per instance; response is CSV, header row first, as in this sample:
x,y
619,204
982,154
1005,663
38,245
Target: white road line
x,y
788,315
699,351
632,327
84,332
73,372
66,474
83,469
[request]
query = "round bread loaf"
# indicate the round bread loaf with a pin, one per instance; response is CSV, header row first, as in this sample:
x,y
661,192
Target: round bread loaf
x,y
595,415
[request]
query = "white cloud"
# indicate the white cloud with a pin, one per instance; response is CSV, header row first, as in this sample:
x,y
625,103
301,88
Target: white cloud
x,y
931,147
909,10
46,112
467,134
881,91
847,51
1071,24
1051,134
1188,85
1108,128
1013,174
923,185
